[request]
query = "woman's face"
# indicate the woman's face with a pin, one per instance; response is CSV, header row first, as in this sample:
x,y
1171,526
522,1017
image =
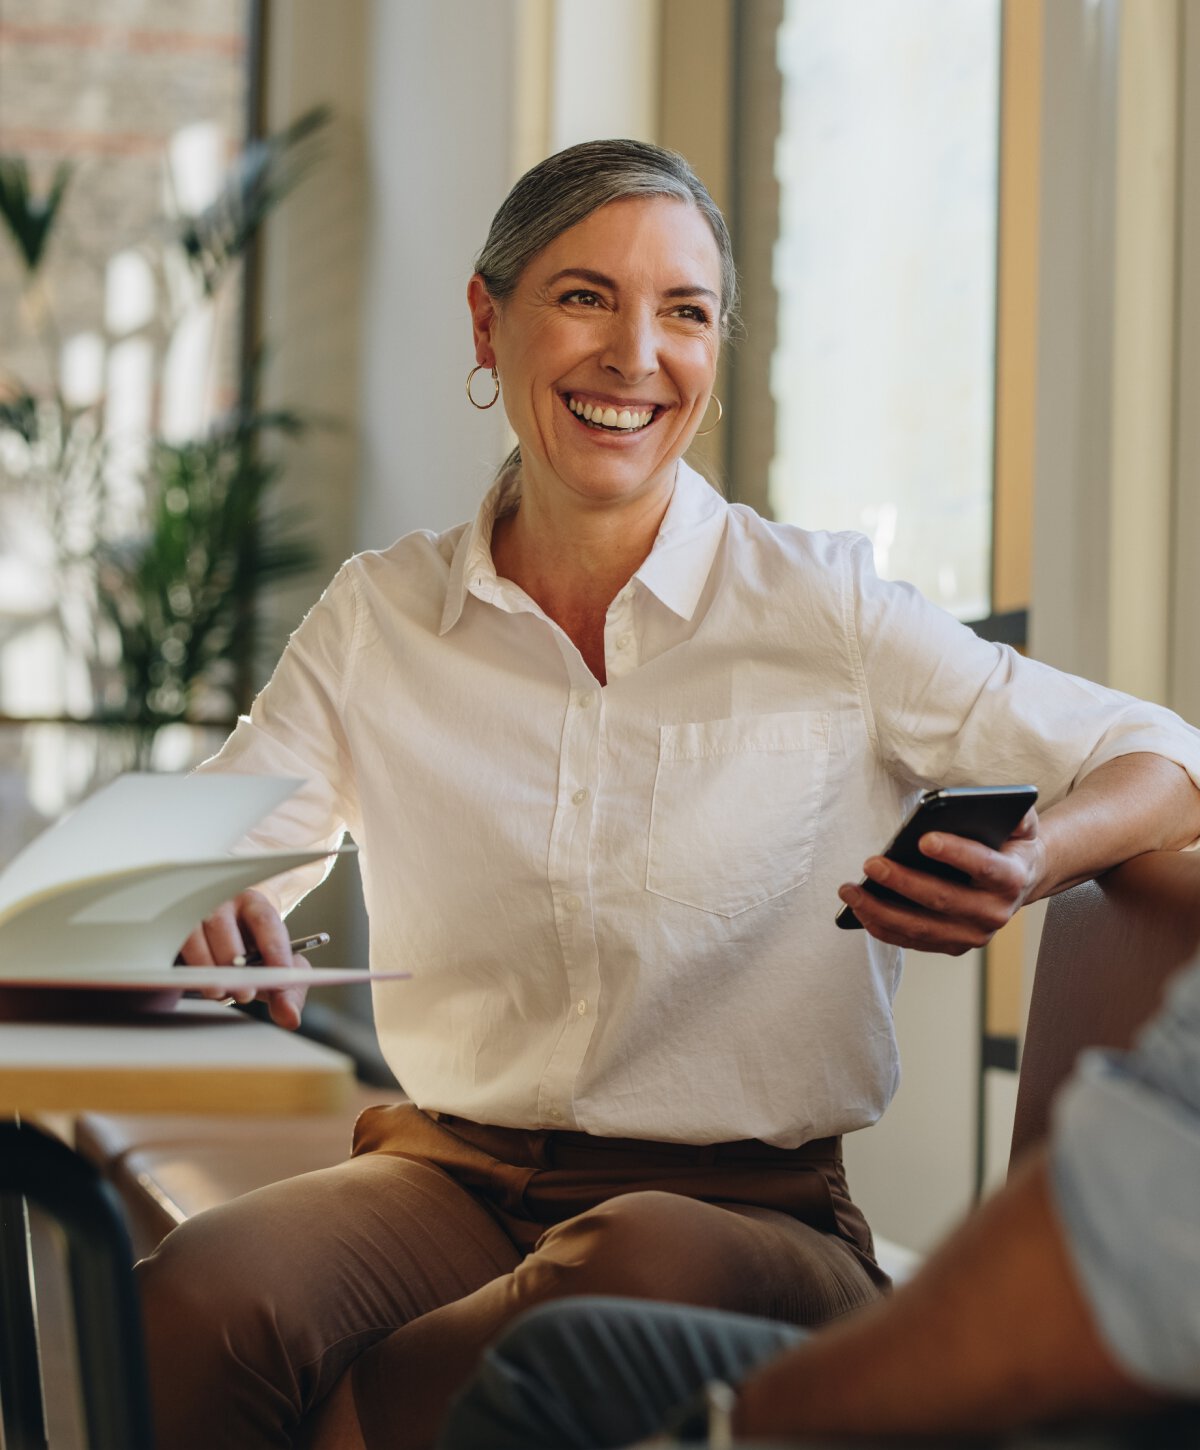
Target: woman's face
x,y
607,349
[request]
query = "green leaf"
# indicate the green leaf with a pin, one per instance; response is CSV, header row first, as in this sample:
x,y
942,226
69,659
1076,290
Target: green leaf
x,y
19,414
30,219
259,179
180,599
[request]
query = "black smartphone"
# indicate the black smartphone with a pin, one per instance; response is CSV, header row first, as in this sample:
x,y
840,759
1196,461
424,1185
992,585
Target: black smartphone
x,y
987,813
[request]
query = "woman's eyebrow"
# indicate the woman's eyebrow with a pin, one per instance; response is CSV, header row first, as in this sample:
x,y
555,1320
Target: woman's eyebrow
x,y
695,291
585,274
601,279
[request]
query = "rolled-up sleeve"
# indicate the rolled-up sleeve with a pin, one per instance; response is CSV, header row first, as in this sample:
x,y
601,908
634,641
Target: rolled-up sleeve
x,y
1125,1169
949,708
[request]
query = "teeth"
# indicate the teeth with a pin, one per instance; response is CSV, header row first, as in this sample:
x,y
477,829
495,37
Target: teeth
x,y
625,419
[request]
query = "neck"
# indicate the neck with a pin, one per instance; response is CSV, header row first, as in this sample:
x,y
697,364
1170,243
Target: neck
x,y
574,557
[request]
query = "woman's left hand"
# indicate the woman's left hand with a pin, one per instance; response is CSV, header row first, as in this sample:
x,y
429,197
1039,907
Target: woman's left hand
x,y
946,916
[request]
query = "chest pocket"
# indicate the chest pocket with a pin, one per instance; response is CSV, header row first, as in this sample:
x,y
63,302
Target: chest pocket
x,y
736,808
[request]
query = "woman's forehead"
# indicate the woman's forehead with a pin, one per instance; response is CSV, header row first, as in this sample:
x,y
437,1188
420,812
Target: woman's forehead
x,y
634,235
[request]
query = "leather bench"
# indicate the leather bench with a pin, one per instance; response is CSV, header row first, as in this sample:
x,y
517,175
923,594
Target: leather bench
x,y
168,1168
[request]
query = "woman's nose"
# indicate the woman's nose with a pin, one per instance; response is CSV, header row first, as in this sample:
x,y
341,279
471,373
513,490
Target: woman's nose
x,y
632,348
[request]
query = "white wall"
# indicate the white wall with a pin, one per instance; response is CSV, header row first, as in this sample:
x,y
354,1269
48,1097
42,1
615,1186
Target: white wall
x,y
606,70
461,97
439,146
913,1173
1105,498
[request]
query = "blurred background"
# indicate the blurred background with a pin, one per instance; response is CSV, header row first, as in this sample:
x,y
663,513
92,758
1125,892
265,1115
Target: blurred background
x,y
235,237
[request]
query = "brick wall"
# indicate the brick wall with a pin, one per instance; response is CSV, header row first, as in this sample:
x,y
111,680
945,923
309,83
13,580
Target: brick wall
x,y
111,88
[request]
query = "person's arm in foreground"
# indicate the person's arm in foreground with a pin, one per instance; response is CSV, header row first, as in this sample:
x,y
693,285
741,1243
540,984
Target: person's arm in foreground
x,y
1135,803
993,1332
1075,1289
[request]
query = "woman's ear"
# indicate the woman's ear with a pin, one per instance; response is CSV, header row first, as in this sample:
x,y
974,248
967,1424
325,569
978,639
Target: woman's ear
x,y
483,320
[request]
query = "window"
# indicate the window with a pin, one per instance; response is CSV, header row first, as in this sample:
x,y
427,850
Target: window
x,y
882,376
147,111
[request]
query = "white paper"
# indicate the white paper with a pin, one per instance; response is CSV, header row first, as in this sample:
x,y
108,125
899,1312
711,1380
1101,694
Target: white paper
x,y
107,895
140,820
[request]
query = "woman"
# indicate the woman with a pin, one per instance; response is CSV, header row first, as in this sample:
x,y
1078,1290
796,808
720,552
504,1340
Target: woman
x,y
608,753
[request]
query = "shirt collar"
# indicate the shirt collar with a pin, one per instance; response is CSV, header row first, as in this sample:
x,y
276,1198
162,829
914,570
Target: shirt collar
x,y
675,571
680,560
471,568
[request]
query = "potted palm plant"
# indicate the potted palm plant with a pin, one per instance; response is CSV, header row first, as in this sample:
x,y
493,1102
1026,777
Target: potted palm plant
x,y
164,615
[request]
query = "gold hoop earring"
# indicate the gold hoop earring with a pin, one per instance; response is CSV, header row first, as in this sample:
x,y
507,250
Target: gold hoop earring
x,y
720,414
483,407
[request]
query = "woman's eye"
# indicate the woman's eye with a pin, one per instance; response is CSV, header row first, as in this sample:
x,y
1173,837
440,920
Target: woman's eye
x,y
691,313
584,298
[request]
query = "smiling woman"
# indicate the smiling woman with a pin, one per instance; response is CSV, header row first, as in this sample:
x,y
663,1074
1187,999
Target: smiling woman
x,y
606,351
588,745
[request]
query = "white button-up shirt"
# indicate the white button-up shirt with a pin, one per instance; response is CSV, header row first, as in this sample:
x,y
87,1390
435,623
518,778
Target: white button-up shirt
x,y
618,903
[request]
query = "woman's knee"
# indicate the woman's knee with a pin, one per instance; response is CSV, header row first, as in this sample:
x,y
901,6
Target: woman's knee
x,y
200,1286
648,1245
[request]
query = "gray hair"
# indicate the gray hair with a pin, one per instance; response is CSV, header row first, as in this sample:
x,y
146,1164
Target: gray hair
x,y
561,191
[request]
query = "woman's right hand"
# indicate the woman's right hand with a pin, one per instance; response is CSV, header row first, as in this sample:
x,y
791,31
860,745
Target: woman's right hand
x,y
248,923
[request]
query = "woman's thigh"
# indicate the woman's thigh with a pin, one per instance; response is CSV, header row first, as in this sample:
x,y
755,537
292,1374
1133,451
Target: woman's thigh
x,y
255,1308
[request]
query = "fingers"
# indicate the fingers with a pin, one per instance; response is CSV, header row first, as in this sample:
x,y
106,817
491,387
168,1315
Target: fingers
x,y
194,952
223,935
287,1004
948,916
262,925
986,903
215,943
911,926
248,922
989,870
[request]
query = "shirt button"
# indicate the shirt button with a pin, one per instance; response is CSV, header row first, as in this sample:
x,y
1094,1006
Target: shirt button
x,y
624,641
580,795
582,1008
573,903
555,1114
586,701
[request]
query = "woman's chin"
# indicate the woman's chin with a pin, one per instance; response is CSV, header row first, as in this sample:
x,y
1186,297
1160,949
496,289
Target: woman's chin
x,y
613,477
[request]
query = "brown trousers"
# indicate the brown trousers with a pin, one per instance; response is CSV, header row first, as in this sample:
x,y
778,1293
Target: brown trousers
x,y
402,1263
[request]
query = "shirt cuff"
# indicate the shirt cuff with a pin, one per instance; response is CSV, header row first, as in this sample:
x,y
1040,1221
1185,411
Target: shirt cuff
x,y
1125,1173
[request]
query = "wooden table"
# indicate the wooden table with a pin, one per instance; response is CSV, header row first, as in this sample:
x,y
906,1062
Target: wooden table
x,y
202,1057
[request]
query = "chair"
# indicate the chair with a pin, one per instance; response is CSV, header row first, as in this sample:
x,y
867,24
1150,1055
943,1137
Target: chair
x,y
1108,947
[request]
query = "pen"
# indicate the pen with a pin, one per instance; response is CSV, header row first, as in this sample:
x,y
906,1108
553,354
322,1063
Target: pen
x,y
301,944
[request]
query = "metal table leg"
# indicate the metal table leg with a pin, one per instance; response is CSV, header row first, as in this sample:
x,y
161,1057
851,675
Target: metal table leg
x,y
107,1315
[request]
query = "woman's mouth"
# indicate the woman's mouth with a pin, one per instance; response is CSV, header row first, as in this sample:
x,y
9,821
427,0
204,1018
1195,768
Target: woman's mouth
x,y
611,419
